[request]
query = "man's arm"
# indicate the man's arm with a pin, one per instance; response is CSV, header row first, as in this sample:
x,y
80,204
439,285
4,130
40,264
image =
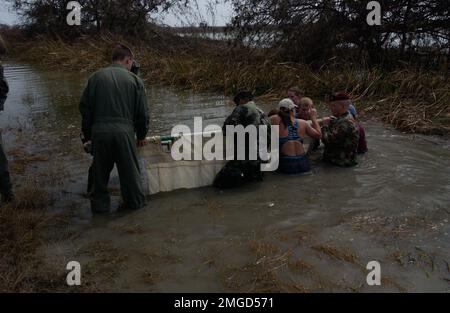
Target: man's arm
x,y
86,113
142,117
235,118
336,135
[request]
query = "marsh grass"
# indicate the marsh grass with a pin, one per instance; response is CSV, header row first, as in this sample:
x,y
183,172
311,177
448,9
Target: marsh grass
x,y
276,269
21,160
397,226
389,281
300,265
337,254
21,225
414,100
260,275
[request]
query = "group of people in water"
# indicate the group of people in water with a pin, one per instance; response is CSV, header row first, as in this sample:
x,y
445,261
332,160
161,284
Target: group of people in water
x,y
115,121
342,135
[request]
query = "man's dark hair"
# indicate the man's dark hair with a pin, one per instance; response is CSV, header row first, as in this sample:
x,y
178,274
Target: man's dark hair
x,y
120,52
339,96
243,94
297,91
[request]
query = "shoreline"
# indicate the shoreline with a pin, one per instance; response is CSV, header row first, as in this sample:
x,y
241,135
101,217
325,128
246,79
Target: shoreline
x,y
412,100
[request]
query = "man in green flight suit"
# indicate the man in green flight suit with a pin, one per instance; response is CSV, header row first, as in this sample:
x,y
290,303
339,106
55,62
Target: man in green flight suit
x,y
113,109
5,181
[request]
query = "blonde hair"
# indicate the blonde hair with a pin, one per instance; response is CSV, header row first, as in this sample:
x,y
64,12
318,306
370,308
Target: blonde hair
x,y
305,101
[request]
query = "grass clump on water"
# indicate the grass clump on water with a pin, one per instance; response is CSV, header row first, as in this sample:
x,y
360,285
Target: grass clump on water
x,y
21,234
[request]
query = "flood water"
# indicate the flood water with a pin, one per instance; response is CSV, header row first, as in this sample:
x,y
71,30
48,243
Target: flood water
x,y
291,234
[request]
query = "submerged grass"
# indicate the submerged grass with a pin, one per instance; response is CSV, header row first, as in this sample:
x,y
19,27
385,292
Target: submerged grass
x,y
414,100
21,225
338,254
21,160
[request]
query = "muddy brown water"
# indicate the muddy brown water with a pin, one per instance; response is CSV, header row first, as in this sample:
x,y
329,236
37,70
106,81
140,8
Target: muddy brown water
x,y
292,234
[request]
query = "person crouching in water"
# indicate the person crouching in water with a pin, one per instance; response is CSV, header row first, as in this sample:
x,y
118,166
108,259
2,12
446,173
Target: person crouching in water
x,y
340,133
293,159
238,172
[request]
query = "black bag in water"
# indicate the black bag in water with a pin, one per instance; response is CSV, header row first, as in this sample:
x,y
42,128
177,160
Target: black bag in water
x,y
229,177
237,173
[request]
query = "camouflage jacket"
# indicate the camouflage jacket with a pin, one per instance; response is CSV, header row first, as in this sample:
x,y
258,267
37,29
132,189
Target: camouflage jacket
x,y
341,138
245,115
4,88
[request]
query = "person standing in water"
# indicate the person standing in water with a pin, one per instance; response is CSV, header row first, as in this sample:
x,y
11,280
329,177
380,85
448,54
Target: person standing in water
x,y
5,180
340,133
114,112
135,69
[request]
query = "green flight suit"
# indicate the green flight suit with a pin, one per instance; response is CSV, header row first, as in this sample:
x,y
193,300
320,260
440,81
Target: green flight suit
x,y
113,109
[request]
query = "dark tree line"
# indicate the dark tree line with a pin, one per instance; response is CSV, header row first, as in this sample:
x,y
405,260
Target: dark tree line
x,y
307,31
313,31
117,16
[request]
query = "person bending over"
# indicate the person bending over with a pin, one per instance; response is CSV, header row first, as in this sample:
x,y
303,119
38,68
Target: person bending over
x,y
238,172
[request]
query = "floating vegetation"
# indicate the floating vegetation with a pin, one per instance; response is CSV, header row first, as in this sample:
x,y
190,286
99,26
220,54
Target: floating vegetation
x,y
133,229
300,265
387,280
20,160
338,254
21,225
394,225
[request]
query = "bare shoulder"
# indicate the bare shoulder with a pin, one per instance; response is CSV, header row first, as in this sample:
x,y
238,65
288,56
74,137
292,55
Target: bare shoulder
x,y
275,119
302,123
